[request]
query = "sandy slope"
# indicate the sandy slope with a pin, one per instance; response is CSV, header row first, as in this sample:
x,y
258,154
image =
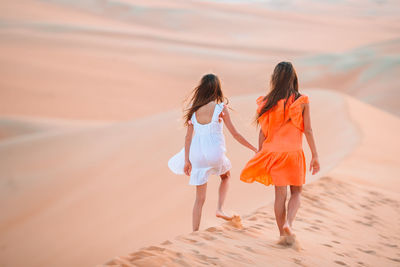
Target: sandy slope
x,y
94,165
17,128
360,72
89,92
349,217
341,224
98,59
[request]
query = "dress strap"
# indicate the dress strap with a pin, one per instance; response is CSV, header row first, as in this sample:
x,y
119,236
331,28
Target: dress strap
x,y
218,109
193,119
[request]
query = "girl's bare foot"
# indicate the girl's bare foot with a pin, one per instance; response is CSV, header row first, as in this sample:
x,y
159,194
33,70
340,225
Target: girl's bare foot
x,y
282,240
286,229
291,239
288,240
222,215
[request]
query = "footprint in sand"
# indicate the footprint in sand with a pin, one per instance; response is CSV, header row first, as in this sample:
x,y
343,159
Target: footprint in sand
x,y
154,248
340,263
254,218
261,212
366,251
341,226
188,241
384,237
120,261
208,237
140,255
390,245
247,248
253,231
181,263
310,229
394,259
236,256
205,258
270,222
213,230
298,262
364,206
166,243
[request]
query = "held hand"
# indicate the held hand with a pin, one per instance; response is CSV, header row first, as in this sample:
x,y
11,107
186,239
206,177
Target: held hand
x,y
314,165
187,169
254,149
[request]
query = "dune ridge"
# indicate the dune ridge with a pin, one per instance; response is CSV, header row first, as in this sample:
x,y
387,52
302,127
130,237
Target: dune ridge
x,y
350,215
360,72
52,48
88,120
95,163
368,236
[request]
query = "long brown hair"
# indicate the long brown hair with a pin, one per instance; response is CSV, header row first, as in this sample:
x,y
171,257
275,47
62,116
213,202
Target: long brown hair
x,y
208,90
283,84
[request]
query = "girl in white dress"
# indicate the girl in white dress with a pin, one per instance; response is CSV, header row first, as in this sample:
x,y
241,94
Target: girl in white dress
x,y
204,152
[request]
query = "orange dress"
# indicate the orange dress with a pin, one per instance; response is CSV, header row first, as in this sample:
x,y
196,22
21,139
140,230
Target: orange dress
x,y
281,159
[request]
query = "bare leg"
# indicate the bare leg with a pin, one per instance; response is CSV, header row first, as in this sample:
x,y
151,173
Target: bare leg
x,y
294,203
223,190
198,205
279,207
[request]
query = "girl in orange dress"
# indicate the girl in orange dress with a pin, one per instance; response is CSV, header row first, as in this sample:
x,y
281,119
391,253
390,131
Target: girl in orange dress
x,y
284,115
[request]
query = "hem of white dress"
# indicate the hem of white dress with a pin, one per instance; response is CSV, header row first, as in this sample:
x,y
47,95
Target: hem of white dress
x,y
224,170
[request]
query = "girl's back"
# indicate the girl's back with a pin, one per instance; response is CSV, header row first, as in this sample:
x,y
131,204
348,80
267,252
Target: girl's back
x,y
208,143
205,114
207,147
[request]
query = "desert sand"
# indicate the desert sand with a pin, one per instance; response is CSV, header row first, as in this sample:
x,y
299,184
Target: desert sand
x,y
91,98
349,216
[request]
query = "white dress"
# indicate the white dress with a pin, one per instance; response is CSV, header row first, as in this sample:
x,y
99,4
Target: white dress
x,y
207,150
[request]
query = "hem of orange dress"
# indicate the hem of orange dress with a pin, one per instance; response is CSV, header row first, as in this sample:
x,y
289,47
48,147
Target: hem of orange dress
x,y
259,179
292,184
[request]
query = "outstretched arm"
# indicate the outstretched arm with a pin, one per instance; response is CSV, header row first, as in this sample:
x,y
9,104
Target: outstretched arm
x,y
228,122
314,165
188,140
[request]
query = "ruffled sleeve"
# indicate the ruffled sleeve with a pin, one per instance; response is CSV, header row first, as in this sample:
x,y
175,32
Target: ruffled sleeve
x,y
296,112
264,119
218,110
260,102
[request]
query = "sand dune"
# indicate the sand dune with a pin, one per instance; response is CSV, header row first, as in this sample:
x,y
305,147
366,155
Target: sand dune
x,y
101,60
89,116
94,165
349,216
361,72
18,128
365,234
